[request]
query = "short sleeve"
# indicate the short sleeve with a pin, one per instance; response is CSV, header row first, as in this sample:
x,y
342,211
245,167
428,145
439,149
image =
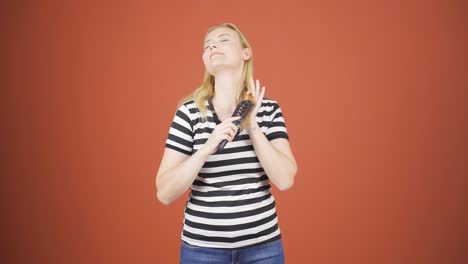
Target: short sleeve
x,y
276,126
180,136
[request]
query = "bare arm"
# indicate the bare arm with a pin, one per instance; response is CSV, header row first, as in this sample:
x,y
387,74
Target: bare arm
x,y
276,158
178,171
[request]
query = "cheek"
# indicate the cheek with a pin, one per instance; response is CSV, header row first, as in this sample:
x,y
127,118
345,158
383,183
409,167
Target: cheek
x,y
205,57
205,61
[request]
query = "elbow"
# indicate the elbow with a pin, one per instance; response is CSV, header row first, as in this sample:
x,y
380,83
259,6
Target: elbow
x,y
163,199
290,182
287,185
160,194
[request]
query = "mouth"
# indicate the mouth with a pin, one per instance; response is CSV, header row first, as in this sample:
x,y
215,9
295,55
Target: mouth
x,y
216,53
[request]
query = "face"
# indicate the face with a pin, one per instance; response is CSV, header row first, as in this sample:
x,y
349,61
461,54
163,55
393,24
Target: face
x,y
223,50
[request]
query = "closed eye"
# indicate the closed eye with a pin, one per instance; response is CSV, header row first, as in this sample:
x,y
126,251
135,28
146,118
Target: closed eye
x,y
223,40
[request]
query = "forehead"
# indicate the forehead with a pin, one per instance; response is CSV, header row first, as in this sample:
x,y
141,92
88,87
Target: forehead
x,y
220,31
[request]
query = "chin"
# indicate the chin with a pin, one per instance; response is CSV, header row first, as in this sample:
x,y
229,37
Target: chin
x,y
219,67
213,70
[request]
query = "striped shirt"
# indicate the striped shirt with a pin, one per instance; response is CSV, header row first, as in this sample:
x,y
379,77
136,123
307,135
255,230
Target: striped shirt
x,y
231,204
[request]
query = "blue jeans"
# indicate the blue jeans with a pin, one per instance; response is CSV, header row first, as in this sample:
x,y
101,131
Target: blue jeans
x,y
269,253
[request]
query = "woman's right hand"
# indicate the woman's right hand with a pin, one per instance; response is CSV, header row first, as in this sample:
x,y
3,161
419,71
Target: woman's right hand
x,y
225,130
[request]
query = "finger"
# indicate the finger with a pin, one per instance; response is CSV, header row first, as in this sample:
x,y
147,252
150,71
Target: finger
x,y
230,125
258,89
233,133
227,129
262,93
225,136
228,134
252,92
235,128
224,129
259,99
227,126
254,89
231,119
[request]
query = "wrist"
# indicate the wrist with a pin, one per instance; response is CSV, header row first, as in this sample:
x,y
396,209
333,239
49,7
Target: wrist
x,y
253,128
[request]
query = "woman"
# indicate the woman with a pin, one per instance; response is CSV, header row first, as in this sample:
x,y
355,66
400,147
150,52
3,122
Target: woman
x,y
230,216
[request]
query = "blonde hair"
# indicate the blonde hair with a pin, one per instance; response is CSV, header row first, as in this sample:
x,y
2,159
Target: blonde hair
x,y
206,89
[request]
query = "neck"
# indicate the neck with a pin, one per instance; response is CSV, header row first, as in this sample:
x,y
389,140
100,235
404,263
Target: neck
x,y
227,86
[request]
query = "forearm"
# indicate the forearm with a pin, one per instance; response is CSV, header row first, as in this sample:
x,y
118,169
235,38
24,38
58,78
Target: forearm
x,y
176,181
279,168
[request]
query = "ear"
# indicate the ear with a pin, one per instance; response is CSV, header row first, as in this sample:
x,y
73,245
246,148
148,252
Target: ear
x,y
246,54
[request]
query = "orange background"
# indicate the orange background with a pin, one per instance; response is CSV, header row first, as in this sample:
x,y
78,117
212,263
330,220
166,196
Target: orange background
x,y
373,93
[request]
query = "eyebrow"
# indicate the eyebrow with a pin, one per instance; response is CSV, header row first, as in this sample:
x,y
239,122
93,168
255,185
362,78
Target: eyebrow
x,y
219,36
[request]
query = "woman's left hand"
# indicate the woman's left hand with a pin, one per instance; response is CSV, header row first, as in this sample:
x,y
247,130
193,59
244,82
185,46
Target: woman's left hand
x,y
257,94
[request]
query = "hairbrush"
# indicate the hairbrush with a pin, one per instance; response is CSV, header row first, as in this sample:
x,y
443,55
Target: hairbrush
x,y
242,109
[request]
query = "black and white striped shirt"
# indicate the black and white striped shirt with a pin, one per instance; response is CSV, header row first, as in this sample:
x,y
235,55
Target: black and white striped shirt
x,y
230,204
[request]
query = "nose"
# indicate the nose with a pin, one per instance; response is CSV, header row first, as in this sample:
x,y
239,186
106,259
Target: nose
x,y
212,44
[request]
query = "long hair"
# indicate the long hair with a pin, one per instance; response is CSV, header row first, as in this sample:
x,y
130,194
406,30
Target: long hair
x,y
206,89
